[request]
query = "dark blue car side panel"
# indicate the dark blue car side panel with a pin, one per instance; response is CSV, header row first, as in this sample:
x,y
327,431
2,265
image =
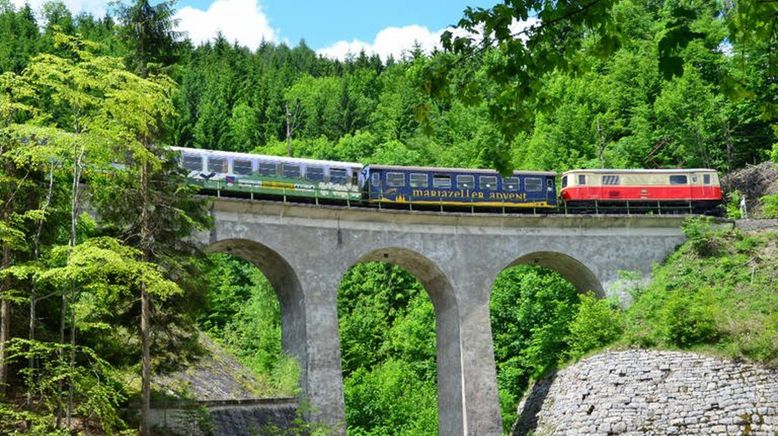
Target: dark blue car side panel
x,y
456,195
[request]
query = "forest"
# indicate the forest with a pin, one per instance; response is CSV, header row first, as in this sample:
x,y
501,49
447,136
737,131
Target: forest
x,y
100,290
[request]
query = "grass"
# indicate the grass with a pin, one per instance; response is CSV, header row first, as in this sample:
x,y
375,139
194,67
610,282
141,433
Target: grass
x,y
718,293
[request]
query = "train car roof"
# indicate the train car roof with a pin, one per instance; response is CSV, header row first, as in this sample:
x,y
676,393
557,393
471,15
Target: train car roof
x,y
641,171
283,159
459,170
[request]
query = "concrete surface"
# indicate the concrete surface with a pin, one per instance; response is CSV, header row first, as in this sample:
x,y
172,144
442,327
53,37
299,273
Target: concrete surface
x,y
306,250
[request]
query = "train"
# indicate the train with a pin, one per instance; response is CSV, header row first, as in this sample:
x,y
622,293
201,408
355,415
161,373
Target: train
x,y
608,191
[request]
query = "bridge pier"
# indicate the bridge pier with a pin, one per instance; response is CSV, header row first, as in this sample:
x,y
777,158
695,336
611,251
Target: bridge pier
x,y
322,380
480,403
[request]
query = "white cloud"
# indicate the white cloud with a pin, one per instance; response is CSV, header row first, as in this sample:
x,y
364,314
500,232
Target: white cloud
x,y
392,41
238,20
517,27
96,7
399,41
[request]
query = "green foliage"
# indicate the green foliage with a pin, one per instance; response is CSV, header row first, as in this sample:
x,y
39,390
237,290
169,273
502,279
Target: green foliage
x,y
688,322
242,312
770,206
387,331
531,311
390,399
597,323
14,421
701,235
724,302
149,34
733,204
94,381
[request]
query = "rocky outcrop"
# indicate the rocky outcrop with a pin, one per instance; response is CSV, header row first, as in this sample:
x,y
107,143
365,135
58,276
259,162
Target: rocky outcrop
x,y
653,392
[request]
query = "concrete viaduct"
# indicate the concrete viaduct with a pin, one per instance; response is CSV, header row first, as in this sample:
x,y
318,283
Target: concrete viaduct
x,y
304,251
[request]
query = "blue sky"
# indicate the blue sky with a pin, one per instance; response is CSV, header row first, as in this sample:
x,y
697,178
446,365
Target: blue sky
x,y
333,28
323,23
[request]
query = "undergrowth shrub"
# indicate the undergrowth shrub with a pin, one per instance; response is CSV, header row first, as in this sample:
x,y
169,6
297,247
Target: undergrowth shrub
x,y
689,320
733,204
701,235
770,206
597,323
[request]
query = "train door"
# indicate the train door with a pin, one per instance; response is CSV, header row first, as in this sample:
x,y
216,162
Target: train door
x,y
707,189
585,184
550,191
695,186
375,185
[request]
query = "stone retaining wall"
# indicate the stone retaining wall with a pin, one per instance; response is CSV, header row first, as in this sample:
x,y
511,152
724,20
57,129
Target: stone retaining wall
x,y
653,392
224,418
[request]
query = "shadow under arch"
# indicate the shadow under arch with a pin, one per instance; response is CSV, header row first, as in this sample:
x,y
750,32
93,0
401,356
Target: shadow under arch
x,y
287,287
448,353
573,270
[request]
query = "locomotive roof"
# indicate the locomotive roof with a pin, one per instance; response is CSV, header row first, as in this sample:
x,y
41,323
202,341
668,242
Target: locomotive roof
x,y
641,171
462,170
283,159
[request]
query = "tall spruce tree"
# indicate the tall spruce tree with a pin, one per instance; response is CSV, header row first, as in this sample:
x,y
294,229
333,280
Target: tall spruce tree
x,y
152,42
149,34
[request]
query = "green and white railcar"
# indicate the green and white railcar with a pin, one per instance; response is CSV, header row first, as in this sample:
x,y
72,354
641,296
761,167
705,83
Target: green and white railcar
x,y
255,174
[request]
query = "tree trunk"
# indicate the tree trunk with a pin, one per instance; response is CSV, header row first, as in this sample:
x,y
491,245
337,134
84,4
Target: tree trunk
x,y
68,298
33,294
5,324
145,242
146,363
31,337
288,131
61,356
72,363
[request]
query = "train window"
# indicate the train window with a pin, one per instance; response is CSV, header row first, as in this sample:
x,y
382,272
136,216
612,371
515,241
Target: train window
x,y
395,179
465,182
217,165
419,180
582,179
533,184
487,182
706,179
678,180
376,179
291,171
241,167
694,179
338,175
441,181
193,162
267,169
564,181
314,174
610,180
510,184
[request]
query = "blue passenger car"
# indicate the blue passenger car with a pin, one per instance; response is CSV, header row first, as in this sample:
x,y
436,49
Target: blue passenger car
x,y
385,184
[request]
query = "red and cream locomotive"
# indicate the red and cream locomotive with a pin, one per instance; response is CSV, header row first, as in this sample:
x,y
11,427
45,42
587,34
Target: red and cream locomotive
x,y
641,191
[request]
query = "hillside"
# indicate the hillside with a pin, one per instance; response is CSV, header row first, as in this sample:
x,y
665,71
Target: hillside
x,y
217,375
717,293
715,298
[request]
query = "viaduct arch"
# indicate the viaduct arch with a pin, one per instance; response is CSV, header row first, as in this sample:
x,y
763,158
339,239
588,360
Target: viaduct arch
x,y
305,250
